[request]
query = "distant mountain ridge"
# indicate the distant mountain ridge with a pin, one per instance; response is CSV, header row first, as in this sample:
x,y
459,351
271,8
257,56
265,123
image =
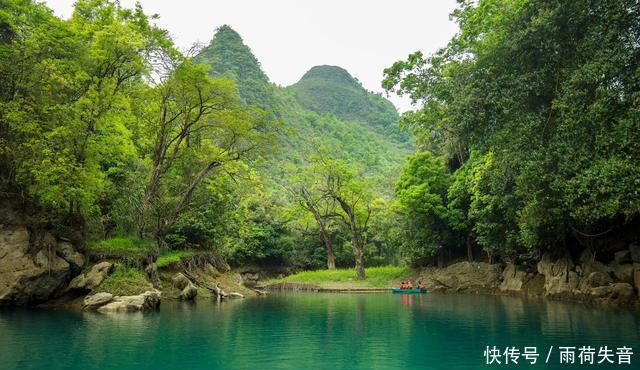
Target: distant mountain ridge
x,y
332,90
327,107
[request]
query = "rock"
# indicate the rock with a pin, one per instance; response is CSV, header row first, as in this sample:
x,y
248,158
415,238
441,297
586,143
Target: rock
x,y
622,291
589,264
601,291
617,291
636,277
559,277
594,266
623,273
594,280
30,270
210,270
250,279
634,249
96,300
68,253
141,302
92,279
513,279
260,292
623,257
586,256
464,276
188,293
534,285
152,273
180,281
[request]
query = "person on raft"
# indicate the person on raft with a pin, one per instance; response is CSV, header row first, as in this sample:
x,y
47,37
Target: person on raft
x,y
406,284
420,285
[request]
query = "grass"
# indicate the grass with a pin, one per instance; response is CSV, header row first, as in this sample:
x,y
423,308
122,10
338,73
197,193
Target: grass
x,y
376,277
125,281
129,244
171,257
128,249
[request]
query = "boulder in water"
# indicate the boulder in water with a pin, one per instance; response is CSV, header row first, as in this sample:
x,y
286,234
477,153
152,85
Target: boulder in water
x,y
141,302
96,300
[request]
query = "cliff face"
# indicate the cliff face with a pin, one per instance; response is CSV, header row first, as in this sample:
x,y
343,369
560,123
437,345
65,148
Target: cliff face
x,y
34,265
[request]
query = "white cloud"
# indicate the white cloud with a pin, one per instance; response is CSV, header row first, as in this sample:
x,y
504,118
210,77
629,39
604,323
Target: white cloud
x,y
291,36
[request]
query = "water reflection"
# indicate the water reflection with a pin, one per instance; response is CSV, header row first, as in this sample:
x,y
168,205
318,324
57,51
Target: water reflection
x,y
409,300
314,331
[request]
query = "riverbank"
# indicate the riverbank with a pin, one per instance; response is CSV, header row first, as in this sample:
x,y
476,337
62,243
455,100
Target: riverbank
x,y
378,279
36,267
585,280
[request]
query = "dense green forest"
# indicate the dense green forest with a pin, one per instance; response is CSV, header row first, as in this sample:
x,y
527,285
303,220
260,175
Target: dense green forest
x,y
110,132
526,138
528,131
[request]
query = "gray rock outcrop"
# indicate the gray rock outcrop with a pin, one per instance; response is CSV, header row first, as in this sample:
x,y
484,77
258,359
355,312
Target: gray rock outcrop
x,y
96,300
31,271
464,276
188,291
141,302
92,279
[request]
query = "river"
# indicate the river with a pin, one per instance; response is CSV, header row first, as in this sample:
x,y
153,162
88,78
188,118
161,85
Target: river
x,y
317,331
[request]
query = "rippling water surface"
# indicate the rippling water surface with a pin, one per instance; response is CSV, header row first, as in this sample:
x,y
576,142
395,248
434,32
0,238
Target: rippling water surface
x,y
312,331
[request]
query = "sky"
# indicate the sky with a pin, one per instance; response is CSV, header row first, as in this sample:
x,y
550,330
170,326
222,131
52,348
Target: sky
x,y
290,36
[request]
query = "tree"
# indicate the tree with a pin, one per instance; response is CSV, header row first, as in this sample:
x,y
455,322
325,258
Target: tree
x,y
322,208
422,190
354,204
545,93
64,106
197,126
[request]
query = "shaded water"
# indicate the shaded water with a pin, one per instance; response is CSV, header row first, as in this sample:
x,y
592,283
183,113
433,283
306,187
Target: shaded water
x,y
312,331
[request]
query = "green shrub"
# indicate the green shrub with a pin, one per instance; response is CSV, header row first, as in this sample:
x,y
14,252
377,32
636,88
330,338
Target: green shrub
x,y
172,257
125,281
127,249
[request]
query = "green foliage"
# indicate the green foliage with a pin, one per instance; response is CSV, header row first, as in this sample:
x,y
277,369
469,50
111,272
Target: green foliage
x,y
382,276
422,192
268,230
545,93
129,244
64,108
106,127
332,90
229,57
125,281
129,249
172,257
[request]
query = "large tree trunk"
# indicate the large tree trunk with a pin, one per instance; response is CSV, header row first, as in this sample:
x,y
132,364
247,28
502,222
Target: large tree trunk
x,y
331,259
359,253
356,242
326,238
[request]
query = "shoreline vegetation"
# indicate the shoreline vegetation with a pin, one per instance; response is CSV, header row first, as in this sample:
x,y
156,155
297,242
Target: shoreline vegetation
x,y
131,171
383,277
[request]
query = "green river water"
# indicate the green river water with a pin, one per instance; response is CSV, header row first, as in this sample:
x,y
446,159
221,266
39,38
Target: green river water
x,y
315,331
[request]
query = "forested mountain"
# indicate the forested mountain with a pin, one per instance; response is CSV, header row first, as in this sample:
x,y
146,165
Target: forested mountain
x,y
230,58
327,108
326,117
332,90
